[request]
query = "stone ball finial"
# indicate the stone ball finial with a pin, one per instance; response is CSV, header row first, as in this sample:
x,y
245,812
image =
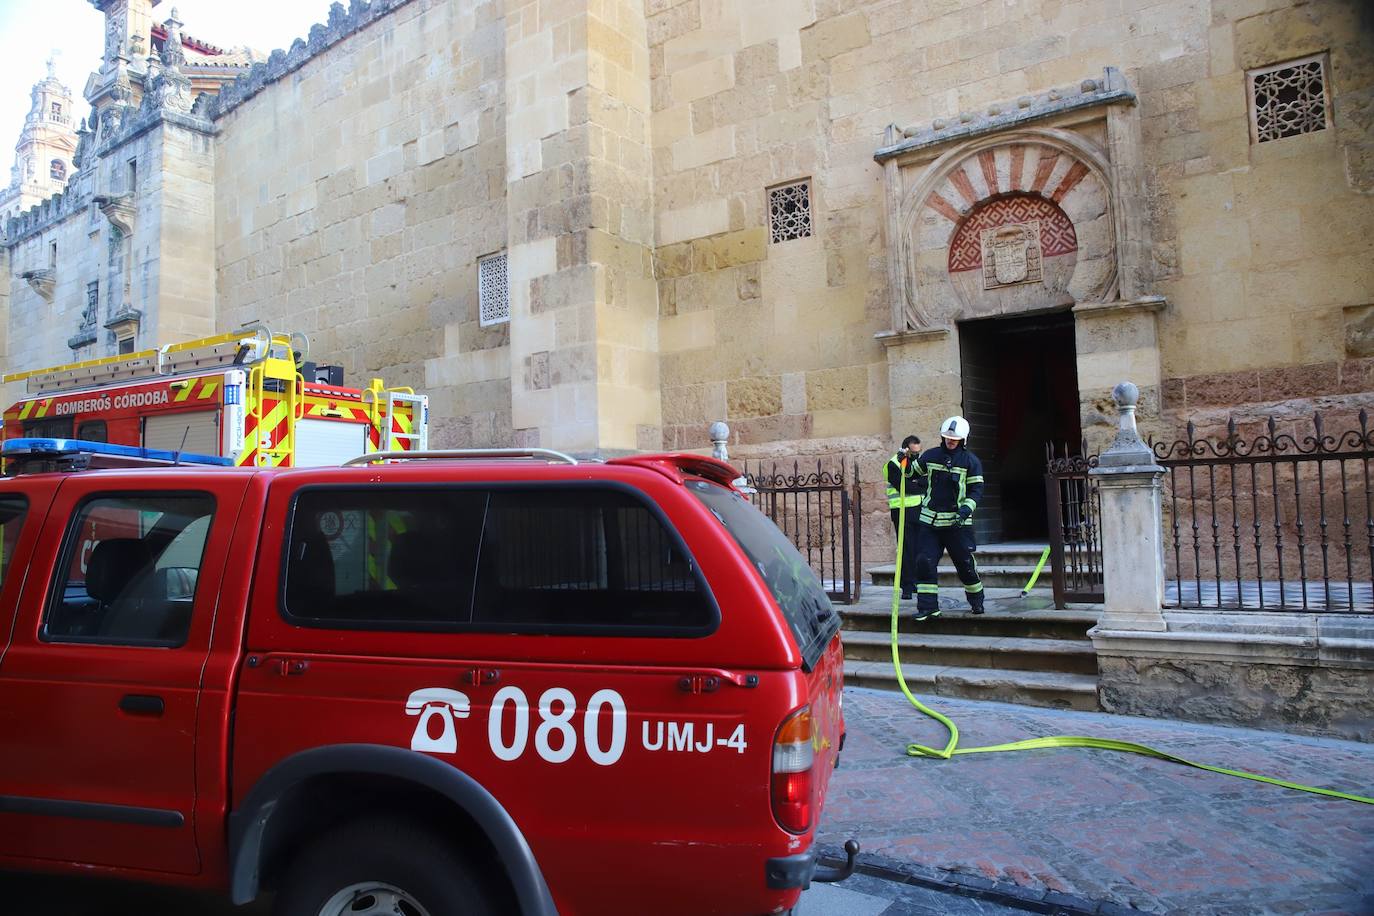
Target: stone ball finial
x,y
1126,394
719,432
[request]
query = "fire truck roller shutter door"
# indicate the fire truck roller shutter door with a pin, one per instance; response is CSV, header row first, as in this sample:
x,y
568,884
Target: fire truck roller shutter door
x,y
165,430
328,442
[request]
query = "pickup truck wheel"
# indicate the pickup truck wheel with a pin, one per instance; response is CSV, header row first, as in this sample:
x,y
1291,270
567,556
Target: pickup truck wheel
x,y
382,868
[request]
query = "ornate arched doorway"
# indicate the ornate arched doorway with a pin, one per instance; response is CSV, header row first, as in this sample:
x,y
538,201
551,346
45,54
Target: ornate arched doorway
x,y
1011,245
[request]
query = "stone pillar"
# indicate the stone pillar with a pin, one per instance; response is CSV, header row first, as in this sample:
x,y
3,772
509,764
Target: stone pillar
x,y
924,381
1131,525
584,304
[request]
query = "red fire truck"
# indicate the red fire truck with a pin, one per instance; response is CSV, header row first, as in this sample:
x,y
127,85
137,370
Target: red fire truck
x,y
250,395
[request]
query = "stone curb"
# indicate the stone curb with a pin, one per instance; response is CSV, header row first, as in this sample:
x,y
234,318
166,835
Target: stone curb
x,y
1030,900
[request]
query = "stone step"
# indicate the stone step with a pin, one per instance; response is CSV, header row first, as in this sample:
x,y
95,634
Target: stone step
x,y
1000,620
992,575
1018,553
1070,656
1032,688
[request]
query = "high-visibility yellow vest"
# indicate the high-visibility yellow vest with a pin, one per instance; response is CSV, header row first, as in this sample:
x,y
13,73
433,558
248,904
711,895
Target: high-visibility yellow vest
x,y
894,496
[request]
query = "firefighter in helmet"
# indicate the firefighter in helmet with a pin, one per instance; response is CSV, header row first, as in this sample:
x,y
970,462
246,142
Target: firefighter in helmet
x,y
903,464
953,484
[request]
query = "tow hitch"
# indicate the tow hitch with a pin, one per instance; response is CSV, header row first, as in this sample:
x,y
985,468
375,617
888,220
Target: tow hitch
x,y
828,875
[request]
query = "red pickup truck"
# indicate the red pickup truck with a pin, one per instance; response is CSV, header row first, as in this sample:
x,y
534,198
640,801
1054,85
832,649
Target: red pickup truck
x,y
475,683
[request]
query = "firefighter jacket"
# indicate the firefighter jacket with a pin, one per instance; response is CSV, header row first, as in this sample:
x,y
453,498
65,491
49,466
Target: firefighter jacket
x,y
952,479
898,465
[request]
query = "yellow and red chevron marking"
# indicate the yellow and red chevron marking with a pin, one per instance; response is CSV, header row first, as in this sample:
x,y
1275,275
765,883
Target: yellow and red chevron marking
x,y
334,410
197,389
402,421
280,448
34,409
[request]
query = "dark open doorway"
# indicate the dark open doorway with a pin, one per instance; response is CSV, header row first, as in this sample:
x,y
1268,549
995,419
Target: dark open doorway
x,y
1020,379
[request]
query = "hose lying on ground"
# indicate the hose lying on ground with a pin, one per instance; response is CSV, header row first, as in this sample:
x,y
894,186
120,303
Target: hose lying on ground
x,y
952,747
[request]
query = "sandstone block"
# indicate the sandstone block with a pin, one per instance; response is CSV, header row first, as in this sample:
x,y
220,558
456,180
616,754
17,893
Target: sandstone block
x,y
706,218
1281,384
704,79
705,148
1359,331
829,37
746,246
837,389
754,397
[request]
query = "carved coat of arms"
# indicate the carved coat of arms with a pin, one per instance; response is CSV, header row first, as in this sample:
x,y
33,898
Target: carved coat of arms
x,y
1011,254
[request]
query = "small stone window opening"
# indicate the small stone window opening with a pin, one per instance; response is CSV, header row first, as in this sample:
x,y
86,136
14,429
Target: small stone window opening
x,y
133,175
52,256
1289,99
493,290
789,211
126,345
58,170
57,111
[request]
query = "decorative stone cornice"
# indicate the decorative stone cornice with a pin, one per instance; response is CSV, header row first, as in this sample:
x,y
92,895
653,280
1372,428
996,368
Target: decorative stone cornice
x,y
82,338
42,280
125,318
1108,89
1120,307
918,335
342,23
119,209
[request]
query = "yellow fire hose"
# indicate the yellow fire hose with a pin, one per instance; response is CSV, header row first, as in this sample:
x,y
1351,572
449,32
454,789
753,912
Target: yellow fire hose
x,y
952,748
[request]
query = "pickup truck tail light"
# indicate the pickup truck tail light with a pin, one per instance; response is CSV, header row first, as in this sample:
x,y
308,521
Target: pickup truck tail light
x,y
792,785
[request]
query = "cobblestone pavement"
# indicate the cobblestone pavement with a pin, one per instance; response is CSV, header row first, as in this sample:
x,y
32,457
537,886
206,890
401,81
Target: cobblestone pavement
x,y
866,895
1102,831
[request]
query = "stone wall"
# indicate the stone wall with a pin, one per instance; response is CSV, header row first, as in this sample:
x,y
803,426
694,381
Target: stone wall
x,y
1264,249
1330,698
1260,250
38,328
583,303
776,338
353,197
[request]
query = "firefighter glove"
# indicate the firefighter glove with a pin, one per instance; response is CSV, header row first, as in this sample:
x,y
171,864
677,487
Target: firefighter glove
x,y
965,513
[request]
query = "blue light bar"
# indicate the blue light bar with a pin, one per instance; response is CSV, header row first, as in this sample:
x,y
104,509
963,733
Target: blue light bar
x,y
64,449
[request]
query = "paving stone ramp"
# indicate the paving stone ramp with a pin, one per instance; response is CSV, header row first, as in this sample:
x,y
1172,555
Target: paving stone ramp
x,y
1020,651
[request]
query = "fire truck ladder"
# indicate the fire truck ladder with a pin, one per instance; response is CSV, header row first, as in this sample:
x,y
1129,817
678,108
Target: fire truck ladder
x,y
394,439
242,347
276,373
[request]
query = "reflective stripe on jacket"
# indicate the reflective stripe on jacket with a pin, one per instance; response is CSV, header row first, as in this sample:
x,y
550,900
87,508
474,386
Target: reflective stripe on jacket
x,y
952,479
894,471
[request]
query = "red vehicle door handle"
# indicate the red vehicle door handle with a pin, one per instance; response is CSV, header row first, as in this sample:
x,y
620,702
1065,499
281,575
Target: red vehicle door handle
x,y
141,705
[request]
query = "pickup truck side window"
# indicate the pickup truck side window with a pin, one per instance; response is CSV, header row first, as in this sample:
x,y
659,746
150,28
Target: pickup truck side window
x,y
129,568
526,559
382,557
12,512
589,559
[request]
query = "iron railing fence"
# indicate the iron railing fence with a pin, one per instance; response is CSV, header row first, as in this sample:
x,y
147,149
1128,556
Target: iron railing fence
x,y
1279,520
821,512
1075,510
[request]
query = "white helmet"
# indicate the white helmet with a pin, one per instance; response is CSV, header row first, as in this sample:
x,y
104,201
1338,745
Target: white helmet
x,y
954,428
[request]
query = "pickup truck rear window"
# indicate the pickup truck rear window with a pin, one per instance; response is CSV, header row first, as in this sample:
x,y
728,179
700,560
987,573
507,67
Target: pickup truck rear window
x,y
795,586
514,558
12,512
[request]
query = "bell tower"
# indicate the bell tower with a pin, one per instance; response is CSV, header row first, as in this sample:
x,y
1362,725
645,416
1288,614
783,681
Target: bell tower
x,y
43,155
